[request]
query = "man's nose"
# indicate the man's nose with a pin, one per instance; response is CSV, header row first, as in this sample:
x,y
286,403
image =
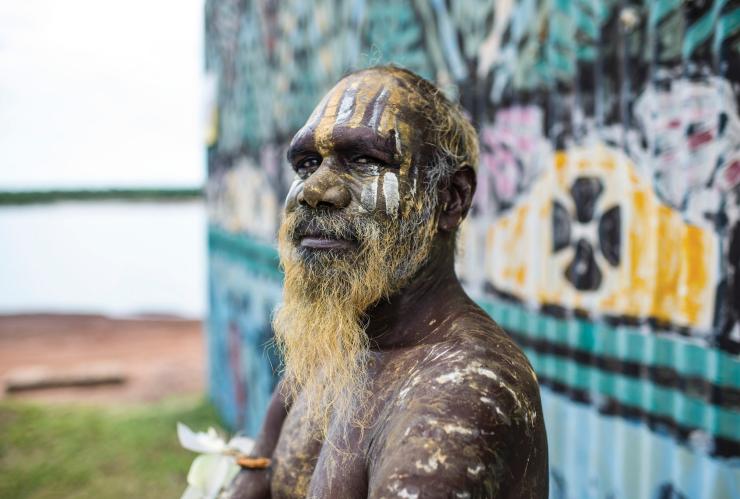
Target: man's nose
x,y
324,187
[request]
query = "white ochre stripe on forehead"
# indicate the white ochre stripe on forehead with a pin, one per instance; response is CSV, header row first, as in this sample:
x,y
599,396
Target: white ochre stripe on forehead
x,y
365,95
328,118
346,105
378,108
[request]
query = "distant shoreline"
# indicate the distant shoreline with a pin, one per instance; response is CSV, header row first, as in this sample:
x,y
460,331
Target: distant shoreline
x,y
14,198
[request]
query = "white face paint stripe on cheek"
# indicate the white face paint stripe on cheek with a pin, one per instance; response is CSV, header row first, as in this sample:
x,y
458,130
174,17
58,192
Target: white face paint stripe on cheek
x,y
390,192
369,197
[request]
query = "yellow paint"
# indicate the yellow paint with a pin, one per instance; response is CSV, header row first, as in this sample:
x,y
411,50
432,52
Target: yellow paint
x,y
667,268
694,271
561,171
326,123
639,247
611,302
608,163
667,273
561,158
520,275
521,220
404,131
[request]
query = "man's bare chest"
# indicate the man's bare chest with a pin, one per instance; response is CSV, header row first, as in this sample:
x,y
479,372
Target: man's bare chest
x,y
305,465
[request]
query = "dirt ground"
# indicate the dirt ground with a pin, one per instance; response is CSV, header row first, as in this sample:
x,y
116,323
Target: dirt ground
x,y
155,357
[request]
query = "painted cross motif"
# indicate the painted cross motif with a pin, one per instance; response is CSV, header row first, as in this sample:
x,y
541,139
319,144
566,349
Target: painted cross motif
x,y
586,231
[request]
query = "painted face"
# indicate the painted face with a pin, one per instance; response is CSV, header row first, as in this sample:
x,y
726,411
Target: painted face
x,y
359,147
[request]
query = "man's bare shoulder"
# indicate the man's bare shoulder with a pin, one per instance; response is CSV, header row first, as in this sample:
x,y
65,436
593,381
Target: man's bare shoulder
x,y
477,366
473,396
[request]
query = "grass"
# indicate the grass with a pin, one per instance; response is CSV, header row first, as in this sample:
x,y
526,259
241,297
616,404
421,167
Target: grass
x,y
83,452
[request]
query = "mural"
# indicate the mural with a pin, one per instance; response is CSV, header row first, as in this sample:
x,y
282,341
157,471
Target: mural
x,y
242,365
607,218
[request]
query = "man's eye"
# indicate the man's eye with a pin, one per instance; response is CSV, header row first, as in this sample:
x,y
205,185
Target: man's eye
x,y
368,160
307,166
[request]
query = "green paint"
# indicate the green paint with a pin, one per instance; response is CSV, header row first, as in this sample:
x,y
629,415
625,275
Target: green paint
x,y
634,345
260,258
727,25
640,393
661,8
698,33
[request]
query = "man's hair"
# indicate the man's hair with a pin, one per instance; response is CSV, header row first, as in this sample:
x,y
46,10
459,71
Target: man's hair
x,y
449,133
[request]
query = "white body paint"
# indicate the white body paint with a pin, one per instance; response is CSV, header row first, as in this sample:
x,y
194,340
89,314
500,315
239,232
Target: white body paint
x,y
475,471
458,375
432,463
390,191
455,377
453,428
405,494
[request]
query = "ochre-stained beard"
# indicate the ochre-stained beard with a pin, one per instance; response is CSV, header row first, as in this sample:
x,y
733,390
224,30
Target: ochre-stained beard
x,y
320,327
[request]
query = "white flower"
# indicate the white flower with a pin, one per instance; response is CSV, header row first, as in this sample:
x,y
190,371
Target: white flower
x,y
213,471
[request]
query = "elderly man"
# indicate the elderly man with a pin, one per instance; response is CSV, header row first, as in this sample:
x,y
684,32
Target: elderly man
x,y
396,384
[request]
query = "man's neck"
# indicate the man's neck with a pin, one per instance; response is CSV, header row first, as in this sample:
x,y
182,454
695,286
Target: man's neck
x,y
410,316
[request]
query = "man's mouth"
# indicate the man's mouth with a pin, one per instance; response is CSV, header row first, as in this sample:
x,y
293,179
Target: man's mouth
x,y
326,243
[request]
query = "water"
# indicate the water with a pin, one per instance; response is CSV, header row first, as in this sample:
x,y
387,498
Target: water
x,y
114,258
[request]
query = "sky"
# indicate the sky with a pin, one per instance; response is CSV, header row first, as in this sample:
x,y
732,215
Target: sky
x,y
101,93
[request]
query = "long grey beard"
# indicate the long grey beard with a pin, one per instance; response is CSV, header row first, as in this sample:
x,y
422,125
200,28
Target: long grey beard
x,y
320,328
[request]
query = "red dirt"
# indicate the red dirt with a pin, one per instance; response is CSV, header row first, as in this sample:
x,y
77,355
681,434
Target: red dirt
x,y
158,357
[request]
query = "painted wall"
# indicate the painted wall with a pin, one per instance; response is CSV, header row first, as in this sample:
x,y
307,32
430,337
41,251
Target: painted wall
x,y
606,220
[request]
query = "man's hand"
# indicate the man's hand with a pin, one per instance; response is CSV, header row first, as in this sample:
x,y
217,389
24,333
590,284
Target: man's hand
x,y
255,483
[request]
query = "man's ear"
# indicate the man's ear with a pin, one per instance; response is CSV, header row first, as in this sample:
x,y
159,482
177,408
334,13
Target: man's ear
x,y
455,198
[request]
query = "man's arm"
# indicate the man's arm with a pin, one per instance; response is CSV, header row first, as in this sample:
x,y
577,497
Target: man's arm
x,y
255,484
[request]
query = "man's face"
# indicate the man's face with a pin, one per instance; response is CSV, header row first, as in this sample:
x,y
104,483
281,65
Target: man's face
x,y
357,227
361,143
357,170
